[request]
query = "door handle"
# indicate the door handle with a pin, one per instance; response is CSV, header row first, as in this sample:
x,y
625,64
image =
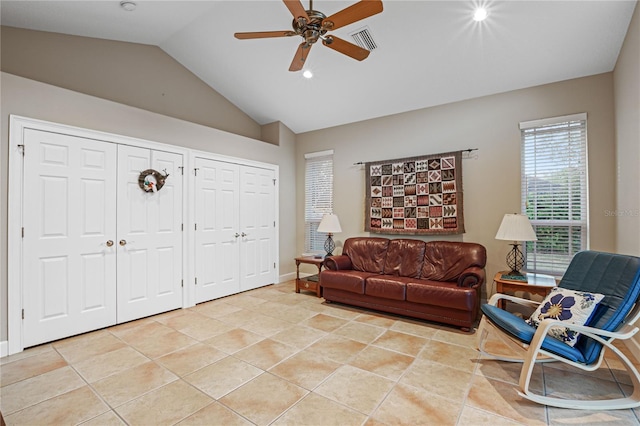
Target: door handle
x,y
237,235
109,243
244,235
123,243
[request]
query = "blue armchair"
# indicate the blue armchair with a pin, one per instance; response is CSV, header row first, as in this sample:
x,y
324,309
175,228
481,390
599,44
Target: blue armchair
x,y
615,276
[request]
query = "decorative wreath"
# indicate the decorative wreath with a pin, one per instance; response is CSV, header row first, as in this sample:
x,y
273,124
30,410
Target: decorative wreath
x,y
152,180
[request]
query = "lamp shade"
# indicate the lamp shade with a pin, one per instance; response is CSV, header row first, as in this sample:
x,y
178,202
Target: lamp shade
x,y
516,227
329,224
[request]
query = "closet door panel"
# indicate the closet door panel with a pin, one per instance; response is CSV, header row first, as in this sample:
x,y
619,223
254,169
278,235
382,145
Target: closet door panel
x,y
216,233
68,218
149,235
257,223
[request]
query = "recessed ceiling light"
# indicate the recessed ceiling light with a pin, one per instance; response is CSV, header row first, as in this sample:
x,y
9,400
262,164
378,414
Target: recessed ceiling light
x,y
129,6
480,14
307,74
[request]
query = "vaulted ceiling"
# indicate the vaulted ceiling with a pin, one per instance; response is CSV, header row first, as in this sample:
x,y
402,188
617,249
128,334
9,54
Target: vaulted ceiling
x,y
428,52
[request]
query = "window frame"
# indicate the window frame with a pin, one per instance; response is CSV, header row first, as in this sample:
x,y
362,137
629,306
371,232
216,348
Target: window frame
x,y
319,170
560,177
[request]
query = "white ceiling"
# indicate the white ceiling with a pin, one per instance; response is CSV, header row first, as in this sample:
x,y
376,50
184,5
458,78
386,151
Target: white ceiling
x,y
429,52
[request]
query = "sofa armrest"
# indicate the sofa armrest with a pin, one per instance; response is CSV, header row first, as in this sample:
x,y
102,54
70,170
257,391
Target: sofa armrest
x,y
472,277
338,263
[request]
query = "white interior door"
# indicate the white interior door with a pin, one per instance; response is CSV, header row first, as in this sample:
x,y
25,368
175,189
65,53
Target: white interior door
x,y
257,225
149,246
69,266
216,229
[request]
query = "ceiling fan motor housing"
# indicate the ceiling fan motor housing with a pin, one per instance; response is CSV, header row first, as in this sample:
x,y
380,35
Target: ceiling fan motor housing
x,y
311,31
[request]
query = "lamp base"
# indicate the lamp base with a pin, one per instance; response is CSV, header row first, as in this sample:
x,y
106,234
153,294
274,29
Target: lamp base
x,y
515,260
329,245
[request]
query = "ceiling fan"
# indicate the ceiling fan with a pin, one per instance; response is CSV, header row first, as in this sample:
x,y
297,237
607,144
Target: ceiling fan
x,y
313,25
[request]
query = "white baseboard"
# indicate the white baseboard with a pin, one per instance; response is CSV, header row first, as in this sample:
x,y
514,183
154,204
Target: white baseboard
x,y
287,277
4,348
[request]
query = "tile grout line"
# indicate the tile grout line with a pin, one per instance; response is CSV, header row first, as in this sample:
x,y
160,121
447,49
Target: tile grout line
x,y
95,392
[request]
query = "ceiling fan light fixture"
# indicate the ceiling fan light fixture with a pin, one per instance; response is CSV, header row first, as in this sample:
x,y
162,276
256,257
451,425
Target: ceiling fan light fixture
x,y
307,74
480,14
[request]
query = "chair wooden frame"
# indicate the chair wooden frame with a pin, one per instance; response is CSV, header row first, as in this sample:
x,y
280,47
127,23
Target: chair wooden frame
x,y
533,353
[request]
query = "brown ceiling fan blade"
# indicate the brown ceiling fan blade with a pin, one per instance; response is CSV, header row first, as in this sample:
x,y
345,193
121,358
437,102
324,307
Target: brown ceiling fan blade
x,y
297,9
264,34
355,12
346,48
301,56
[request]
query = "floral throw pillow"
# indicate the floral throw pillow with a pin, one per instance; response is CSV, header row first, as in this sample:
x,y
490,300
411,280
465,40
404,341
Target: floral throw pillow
x,y
574,307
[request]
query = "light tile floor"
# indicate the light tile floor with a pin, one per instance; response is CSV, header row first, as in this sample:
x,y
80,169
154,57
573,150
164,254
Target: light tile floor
x,y
271,356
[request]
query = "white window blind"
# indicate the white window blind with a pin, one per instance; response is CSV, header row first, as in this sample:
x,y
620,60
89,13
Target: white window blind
x,y
318,185
554,190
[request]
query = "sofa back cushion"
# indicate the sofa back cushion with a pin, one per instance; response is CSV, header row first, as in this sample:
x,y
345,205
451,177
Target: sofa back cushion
x,y
446,260
404,258
366,253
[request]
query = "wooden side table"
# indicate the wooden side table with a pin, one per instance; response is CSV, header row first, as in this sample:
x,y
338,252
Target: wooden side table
x,y
311,283
503,285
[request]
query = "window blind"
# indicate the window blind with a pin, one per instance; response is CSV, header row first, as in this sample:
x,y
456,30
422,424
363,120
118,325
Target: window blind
x,y
318,197
554,190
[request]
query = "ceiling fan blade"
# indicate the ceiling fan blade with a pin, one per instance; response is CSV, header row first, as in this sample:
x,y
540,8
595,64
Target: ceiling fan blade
x,y
301,56
355,12
264,34
346,48
297,9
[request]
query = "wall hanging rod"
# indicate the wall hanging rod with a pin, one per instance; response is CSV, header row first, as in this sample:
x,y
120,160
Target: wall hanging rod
x,y
361,163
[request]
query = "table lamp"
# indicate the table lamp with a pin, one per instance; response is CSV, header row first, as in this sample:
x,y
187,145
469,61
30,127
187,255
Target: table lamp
x,y
331,225
515,227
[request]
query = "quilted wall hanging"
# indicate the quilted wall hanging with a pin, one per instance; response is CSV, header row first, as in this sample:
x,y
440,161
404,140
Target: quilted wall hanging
x,y
415,196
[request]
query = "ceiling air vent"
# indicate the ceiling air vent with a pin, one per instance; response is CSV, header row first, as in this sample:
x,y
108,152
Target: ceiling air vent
x,y
364,39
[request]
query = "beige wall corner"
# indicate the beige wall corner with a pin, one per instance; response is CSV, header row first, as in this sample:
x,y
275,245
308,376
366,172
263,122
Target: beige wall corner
x,y
626,86
288,201
271,133
626,83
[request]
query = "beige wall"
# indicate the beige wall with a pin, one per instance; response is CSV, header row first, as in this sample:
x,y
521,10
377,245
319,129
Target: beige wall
x,y
33,99
133,74
626,83
492,180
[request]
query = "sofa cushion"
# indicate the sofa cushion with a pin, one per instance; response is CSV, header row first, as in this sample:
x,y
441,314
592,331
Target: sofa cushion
x,y
404,258
352,281
446,260
387,287
442,294
366,253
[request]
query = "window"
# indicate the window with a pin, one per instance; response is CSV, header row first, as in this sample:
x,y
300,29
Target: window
x,y
318,184
554,190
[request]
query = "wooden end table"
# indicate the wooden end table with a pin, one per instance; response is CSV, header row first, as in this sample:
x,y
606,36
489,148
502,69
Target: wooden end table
x,y
504,285
311,283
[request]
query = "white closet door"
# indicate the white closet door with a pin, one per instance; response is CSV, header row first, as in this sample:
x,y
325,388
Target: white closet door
x,y
257,225
149,242
69,205
217,228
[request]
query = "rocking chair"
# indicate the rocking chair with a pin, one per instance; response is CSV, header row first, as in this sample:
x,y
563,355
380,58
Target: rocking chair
x,y
615,276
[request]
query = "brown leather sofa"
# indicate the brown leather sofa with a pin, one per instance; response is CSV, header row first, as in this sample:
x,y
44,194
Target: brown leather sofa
x,y
436,280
